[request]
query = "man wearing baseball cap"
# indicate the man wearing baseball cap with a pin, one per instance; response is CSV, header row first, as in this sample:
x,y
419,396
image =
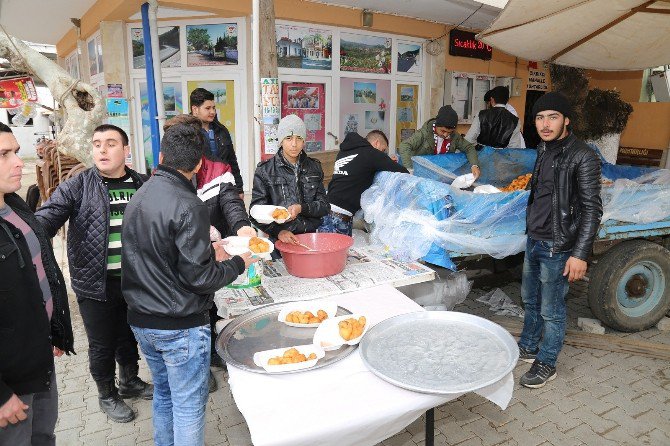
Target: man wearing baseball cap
x,y
563,214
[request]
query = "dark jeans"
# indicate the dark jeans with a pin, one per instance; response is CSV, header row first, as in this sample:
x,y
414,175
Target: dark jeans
x,y
213,317
543,291
108,332
38,428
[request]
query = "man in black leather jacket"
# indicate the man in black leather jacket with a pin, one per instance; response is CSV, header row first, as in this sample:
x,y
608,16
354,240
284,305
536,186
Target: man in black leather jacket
x,y
93,202
562,218
293,180
34,315
169,278
496,126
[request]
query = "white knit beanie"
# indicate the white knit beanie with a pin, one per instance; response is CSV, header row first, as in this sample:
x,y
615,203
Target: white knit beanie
x,y
291,125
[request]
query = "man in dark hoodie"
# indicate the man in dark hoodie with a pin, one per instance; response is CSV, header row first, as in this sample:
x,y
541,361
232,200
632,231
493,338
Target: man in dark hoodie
x,y
355,168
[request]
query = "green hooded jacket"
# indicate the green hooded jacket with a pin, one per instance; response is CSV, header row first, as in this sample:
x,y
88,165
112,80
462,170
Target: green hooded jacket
x,y
422,142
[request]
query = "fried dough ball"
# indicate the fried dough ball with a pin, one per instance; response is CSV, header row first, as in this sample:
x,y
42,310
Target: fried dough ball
x,y
258,245
352,328
297,317
291,356
519,183
280,214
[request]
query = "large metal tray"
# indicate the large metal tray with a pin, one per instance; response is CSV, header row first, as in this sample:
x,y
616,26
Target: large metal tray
x,y
260,330
439,352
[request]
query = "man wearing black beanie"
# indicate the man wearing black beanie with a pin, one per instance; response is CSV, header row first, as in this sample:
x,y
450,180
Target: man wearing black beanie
x,y
438,136
563,215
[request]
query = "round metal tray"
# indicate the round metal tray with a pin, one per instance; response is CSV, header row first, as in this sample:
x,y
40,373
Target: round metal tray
x,y
439,352
260,330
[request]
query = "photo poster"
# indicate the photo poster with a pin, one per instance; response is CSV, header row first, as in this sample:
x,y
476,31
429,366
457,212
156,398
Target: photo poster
x,y
15,92
303,47
172,98
409,58
224,100
363,106
168,41
208,45
406,111
271,115
365,54
117,114
308,101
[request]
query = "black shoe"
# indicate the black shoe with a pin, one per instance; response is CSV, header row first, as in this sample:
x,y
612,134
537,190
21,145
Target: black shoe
x,y
527,355
218,362
131,386
112,405
538,375
213,386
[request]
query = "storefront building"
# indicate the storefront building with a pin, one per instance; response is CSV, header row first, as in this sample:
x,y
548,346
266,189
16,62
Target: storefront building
x,y
337,75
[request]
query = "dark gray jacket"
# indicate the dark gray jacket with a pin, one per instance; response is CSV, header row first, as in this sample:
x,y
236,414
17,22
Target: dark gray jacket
x,y
277,183
84,201
576,204
169,271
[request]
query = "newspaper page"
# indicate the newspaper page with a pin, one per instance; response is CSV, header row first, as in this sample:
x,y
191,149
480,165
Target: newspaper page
x,y
366,267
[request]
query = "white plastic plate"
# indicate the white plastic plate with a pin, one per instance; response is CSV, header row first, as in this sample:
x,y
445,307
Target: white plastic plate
x,y
327,336
237,245
261,358
262,213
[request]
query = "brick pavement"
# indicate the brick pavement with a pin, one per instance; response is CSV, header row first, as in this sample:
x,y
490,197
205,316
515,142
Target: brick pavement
x,y
599,398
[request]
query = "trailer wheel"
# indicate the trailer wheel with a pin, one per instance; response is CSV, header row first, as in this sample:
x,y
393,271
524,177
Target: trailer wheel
x,y
628,288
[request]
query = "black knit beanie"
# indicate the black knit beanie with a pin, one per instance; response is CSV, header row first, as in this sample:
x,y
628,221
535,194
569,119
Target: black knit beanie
x,y
553,101
446,117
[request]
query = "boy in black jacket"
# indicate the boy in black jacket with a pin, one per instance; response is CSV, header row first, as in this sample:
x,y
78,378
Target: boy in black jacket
x,y
34,315
355,168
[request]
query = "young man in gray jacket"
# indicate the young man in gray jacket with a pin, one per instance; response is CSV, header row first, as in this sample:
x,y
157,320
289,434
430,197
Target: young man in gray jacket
x,y
170,274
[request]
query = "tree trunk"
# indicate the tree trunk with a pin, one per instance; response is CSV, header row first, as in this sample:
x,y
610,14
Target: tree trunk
x,y
82,104
268,40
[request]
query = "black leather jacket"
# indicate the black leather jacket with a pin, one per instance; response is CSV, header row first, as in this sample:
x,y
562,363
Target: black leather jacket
x,y
84,200
576,204
169,272
277,183
26,336
496,125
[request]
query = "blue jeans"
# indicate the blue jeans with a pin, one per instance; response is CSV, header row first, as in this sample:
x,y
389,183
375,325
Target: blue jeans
x,y
179,363
543,291
335,224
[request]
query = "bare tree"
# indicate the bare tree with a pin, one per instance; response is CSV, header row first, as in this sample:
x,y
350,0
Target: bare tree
x,y
83,106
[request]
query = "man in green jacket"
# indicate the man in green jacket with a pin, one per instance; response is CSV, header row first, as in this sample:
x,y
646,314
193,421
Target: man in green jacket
x,y
437,136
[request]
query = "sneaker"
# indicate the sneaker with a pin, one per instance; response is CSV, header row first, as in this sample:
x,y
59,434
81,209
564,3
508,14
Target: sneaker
x,y
538,375
527,355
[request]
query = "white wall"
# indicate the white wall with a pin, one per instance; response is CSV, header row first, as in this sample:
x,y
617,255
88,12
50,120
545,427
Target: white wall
x,y
26,135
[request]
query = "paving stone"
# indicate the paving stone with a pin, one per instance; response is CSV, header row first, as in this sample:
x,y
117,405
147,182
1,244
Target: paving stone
x,y
70,420
527,418
238,435
620,436
486,431
492,413
563,421
551,433
655,437
123,441
597,423
69,437
96,438
520,434
460,413
585,434
453,431
594,404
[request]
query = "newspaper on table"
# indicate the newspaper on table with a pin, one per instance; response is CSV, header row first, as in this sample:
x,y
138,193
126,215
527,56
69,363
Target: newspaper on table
x,y
366,267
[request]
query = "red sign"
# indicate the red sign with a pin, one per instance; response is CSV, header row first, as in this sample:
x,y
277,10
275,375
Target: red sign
x,y
14,92
464,44
308,101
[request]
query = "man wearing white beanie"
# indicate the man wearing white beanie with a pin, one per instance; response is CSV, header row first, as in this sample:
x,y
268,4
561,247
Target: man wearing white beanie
x,y
293,180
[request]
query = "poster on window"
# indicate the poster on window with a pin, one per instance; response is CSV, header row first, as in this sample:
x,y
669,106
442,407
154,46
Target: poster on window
x,y
271,115
168,42
308,101
172,98
92,58
224,100
406,111
408,58
303,47
214,44
363,106
365,54
15,92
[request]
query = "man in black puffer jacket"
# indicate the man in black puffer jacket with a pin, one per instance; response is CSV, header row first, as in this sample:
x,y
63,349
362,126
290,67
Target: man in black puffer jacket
x,y
94,202
562,218
34,315
293,180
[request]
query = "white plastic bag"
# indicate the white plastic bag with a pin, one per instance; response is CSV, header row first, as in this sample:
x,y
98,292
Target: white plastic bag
x,y
464,181
486,189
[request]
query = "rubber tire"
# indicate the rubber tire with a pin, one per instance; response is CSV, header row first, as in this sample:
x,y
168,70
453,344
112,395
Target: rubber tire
x,y
604,278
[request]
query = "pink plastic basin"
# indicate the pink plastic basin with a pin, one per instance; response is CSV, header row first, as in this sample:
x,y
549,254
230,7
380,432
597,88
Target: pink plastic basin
x,y
329,259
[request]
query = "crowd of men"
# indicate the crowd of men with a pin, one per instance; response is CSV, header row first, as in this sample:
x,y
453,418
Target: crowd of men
x,y
145,258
